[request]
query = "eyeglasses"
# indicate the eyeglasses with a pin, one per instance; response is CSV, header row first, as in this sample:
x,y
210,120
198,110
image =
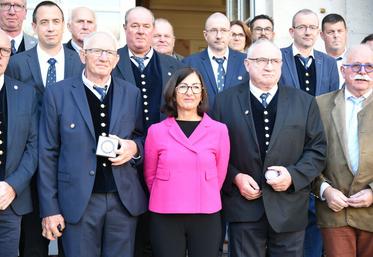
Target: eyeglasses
x,y
266,30
97,52
5,52
183,88
305,27
266,61
357,67
8,6
239,35
216,31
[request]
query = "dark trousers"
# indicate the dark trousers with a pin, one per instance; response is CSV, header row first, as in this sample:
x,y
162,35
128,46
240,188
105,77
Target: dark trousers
x,y
142,242
313,244
172,235
10,228
32,243
105,230
258,239
347,242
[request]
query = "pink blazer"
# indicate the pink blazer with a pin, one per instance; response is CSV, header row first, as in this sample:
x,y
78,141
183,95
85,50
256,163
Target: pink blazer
x,y
185,175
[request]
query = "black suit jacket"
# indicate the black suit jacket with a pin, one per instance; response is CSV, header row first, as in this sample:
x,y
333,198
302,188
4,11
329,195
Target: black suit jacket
x,y
25,67
297,143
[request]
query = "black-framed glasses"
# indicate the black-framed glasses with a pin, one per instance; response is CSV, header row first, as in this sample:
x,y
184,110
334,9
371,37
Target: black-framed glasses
x,y
97,52
183,88
8,6
304,27
266,30
357,67
5,52
266,61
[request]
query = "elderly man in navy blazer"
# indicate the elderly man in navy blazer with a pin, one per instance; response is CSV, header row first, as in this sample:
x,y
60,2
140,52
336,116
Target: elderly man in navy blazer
x,y
18,152
315,73
89,198
220,66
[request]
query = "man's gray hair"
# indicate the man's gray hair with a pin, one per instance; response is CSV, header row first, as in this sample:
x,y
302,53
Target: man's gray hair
x,y
109,36
261,41
137,8
305,12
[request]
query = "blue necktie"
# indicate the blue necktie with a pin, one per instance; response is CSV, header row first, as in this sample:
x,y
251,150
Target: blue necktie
x,y
353,133
140,62
13,46
264,97
305,61
51,75
221,73
101,91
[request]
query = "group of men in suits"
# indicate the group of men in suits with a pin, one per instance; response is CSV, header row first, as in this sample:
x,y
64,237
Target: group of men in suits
x,y
103,92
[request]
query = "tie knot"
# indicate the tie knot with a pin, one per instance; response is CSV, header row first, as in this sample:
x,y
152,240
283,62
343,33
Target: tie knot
x,y
305,60
52,61
219,60
264,97
356,101
101,91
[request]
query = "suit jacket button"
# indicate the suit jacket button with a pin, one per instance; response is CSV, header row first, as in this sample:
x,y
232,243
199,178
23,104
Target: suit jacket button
x,y
92,172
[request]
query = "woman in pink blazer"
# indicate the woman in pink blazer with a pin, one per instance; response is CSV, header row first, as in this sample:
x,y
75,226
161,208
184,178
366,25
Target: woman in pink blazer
x,y
186,159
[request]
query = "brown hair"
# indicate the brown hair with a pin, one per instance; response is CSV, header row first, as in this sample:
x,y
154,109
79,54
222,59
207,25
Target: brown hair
x,y
170,108
246,30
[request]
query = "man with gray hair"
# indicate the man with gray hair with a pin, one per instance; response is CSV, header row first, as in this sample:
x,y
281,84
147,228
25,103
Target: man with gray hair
x,y
277,148
81,23
98,183
315,73
164,38
12,15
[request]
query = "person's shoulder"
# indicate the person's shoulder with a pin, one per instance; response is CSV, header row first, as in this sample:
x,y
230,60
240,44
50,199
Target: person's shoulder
x,y
214,123
328,97
18,85
167,59
235,90
324,56
125,84
194,56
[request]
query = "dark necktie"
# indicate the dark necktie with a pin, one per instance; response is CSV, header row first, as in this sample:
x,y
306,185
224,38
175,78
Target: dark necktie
x,y
264,97
140,62
101,91
305,61
13,46
51,75
221,73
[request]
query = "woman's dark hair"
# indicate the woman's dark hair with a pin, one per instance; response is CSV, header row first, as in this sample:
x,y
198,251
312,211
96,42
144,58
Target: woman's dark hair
x,y
170,106
246,31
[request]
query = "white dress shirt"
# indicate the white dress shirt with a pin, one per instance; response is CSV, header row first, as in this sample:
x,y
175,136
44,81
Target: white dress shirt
x,y
44,65
214,63
90,84
257,92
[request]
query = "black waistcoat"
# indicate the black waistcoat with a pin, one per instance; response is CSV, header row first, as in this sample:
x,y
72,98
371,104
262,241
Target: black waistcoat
x,y
100,113
307,77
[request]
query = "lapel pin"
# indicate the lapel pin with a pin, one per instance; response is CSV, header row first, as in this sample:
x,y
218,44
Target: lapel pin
x,y
15,87
72,125
169,74
246,112
239,77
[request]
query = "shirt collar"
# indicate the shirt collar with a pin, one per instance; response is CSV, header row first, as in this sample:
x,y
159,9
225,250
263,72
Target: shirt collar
x,y
148,55
17,39
257,91
296,52
211,55
1,81
90,83
44,56
75,46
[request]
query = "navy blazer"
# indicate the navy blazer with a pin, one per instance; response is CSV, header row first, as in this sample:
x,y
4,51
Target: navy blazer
x,y
22,142
327,78
67,155
236,72
25,67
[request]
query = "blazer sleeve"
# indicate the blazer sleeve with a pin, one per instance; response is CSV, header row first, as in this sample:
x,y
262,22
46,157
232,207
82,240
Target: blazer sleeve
x,y
49,146
151,157
313,159
223,155
21,177
138,133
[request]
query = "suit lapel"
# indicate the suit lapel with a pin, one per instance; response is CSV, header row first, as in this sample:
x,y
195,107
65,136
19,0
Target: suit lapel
x,y
289,61
68,62
178,135
339,122
206,64
12,109
81,101
245,112
319,71
125,67
232,68
34,65
281,114
118,103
